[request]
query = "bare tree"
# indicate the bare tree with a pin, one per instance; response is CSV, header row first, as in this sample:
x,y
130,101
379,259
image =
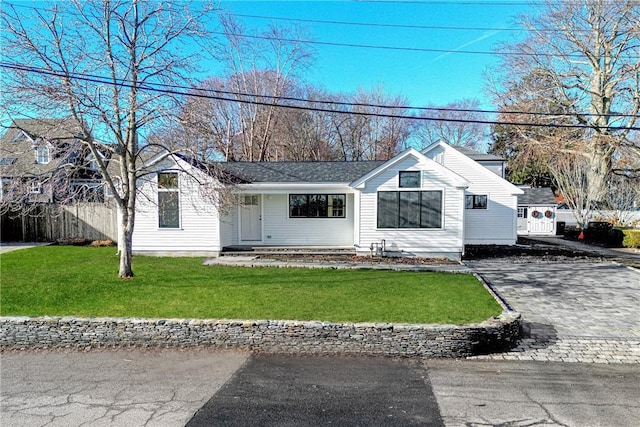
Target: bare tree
x,y
586,52
463,132
260,70
102,62
622,200
367,130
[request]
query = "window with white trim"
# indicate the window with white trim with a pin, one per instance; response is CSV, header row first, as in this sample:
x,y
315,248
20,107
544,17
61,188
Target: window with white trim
x,y
522,212
409,209
168,200
35,187
317,205
474,201
409,179
42,155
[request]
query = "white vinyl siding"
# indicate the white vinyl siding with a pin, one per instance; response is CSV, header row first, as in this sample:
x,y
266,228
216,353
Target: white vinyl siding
x,y
199,221
279,229
497,223
426,241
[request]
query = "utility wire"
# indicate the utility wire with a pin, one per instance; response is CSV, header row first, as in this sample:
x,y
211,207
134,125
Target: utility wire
x,y
206,90
149,88
401,48
377,24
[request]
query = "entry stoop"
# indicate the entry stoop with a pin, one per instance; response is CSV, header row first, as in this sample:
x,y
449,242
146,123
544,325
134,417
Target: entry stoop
x,y
239,250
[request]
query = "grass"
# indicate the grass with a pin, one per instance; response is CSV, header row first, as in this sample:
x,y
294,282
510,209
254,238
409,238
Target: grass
x,y
82,281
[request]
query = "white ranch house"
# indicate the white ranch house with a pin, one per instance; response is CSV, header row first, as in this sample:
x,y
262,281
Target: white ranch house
x,y
426,204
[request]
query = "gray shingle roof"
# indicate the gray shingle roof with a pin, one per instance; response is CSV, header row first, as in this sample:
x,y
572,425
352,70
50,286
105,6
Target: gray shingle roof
x,y
476,155
537,196
282,172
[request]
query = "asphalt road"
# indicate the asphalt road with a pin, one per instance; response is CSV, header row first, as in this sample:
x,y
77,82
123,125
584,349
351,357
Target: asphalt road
x,y
167,387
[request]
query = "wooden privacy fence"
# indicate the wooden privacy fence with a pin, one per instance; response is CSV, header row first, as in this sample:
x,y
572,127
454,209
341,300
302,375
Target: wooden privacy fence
x,y
48,223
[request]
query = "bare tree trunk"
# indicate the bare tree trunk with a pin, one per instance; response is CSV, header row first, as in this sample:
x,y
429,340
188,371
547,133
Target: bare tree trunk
x,y
125,243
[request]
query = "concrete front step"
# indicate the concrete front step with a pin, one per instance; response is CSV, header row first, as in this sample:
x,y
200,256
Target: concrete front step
x,y
284,250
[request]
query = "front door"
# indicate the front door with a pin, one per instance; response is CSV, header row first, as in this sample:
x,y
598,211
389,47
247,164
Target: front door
x,y
251,218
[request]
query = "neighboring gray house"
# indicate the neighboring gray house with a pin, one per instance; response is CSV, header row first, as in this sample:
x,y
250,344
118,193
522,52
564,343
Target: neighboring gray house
x,y
537,211
44,161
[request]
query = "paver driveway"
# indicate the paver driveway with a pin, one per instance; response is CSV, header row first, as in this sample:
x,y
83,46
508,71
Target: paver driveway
x,y
572,311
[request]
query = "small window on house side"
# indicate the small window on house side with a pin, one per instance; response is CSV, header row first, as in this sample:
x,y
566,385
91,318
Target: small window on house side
x,y
473,201
522,212
168,200
42,155
409,179
35,187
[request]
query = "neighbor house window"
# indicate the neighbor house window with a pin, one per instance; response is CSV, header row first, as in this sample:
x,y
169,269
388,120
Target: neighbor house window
x,y
409,179
522,212
42,155
472,201
168,200
410,209
35,187
317,205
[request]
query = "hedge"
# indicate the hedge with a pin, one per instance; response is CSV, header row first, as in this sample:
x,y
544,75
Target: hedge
x,y
631,238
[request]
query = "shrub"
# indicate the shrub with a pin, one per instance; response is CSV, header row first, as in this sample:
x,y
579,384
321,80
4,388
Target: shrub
x,y
98,243
631,238
616,236
571,231
73,241
597,231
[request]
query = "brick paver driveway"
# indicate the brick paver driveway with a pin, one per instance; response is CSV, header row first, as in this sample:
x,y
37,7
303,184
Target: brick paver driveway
x,y
573,311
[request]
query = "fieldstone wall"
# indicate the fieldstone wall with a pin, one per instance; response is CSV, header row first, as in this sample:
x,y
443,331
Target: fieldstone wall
x,y
266,336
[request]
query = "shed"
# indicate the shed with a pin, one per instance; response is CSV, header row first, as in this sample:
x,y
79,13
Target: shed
x,y
537,211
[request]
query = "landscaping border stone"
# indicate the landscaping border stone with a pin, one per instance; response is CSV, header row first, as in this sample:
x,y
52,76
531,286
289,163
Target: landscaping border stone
x,y
267,336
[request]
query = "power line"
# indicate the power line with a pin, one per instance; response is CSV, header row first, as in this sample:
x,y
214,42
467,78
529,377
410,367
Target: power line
x,y
377,24
294,107
400,48
204,91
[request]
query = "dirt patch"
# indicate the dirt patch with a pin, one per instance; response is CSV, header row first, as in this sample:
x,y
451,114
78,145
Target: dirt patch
x,y
528,250
355,258
525,250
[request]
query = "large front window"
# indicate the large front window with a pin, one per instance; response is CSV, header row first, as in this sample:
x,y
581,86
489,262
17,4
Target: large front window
x,y
317,205
410,209
168,201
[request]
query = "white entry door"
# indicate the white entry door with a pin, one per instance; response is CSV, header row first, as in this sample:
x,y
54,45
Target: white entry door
x,y
251,218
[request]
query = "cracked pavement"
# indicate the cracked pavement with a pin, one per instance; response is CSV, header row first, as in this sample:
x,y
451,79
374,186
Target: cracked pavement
x,y
170,387
141,387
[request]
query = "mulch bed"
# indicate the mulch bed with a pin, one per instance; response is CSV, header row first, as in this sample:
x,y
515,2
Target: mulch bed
x,y
525,250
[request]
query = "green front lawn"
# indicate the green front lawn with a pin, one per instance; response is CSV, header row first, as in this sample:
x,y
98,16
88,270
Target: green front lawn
x,y
82,281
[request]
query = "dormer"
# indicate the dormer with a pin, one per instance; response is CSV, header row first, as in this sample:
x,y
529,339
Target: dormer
x,y
21,136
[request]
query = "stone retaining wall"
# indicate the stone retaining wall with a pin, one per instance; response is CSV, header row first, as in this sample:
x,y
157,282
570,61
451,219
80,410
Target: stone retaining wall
x,y
265,335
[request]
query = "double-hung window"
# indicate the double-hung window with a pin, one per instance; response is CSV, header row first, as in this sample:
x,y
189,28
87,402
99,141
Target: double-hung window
x,y
168,200
317,205
42,155
410,209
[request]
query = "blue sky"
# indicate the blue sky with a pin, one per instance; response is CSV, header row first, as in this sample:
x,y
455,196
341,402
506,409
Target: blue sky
x,y
422,77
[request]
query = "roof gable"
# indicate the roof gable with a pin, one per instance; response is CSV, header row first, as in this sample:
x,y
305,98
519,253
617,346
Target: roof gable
x,y
456,179
472,167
